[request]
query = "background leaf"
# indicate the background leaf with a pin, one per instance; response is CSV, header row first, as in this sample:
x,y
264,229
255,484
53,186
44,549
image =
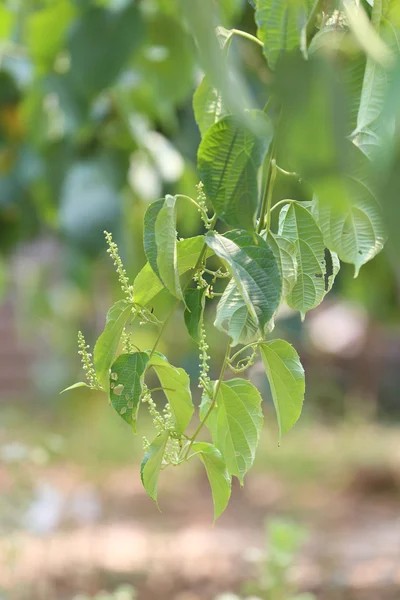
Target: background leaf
x,y
125,384
177,390
100,43
151,465
217,474
228,160
107,344
286,378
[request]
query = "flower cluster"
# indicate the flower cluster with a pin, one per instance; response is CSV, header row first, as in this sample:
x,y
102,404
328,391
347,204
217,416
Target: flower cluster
x,y
119,266
87,363
204,378
202,202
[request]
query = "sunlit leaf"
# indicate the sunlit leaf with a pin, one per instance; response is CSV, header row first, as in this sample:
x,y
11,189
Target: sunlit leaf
x,y
208,105
159,237
125,384
233,316
74,386
236,424
217,474
107,344
254,269
151,465
176,384
228,159
299,226
285,252
281,25
286,378
147,285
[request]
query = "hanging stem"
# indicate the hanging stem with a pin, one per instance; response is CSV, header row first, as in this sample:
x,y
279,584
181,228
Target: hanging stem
x,y
200,208
169,317
215,395
281,202
248,36
269,194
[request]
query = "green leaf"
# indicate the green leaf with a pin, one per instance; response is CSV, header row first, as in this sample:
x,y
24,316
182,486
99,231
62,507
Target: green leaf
x,y
193,315
75,385
332,263
107,344
217,474
254,269
386,20
100,43
208,105
357,233
236,423
286,379
147,285
176,384
151,465
228,160
281,25
233,316
285,254
298,225
125,384
160,242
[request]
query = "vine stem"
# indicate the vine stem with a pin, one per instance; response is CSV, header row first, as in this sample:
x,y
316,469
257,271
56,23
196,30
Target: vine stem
x,y
196,204
211,407
264,203
248,36
239,352
269,194
169,317
281,202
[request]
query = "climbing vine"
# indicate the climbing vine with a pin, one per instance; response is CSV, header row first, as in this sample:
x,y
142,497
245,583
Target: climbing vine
x,y
260,249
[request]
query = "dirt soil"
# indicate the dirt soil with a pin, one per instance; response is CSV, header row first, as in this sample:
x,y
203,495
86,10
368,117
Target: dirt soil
x,y
100,535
